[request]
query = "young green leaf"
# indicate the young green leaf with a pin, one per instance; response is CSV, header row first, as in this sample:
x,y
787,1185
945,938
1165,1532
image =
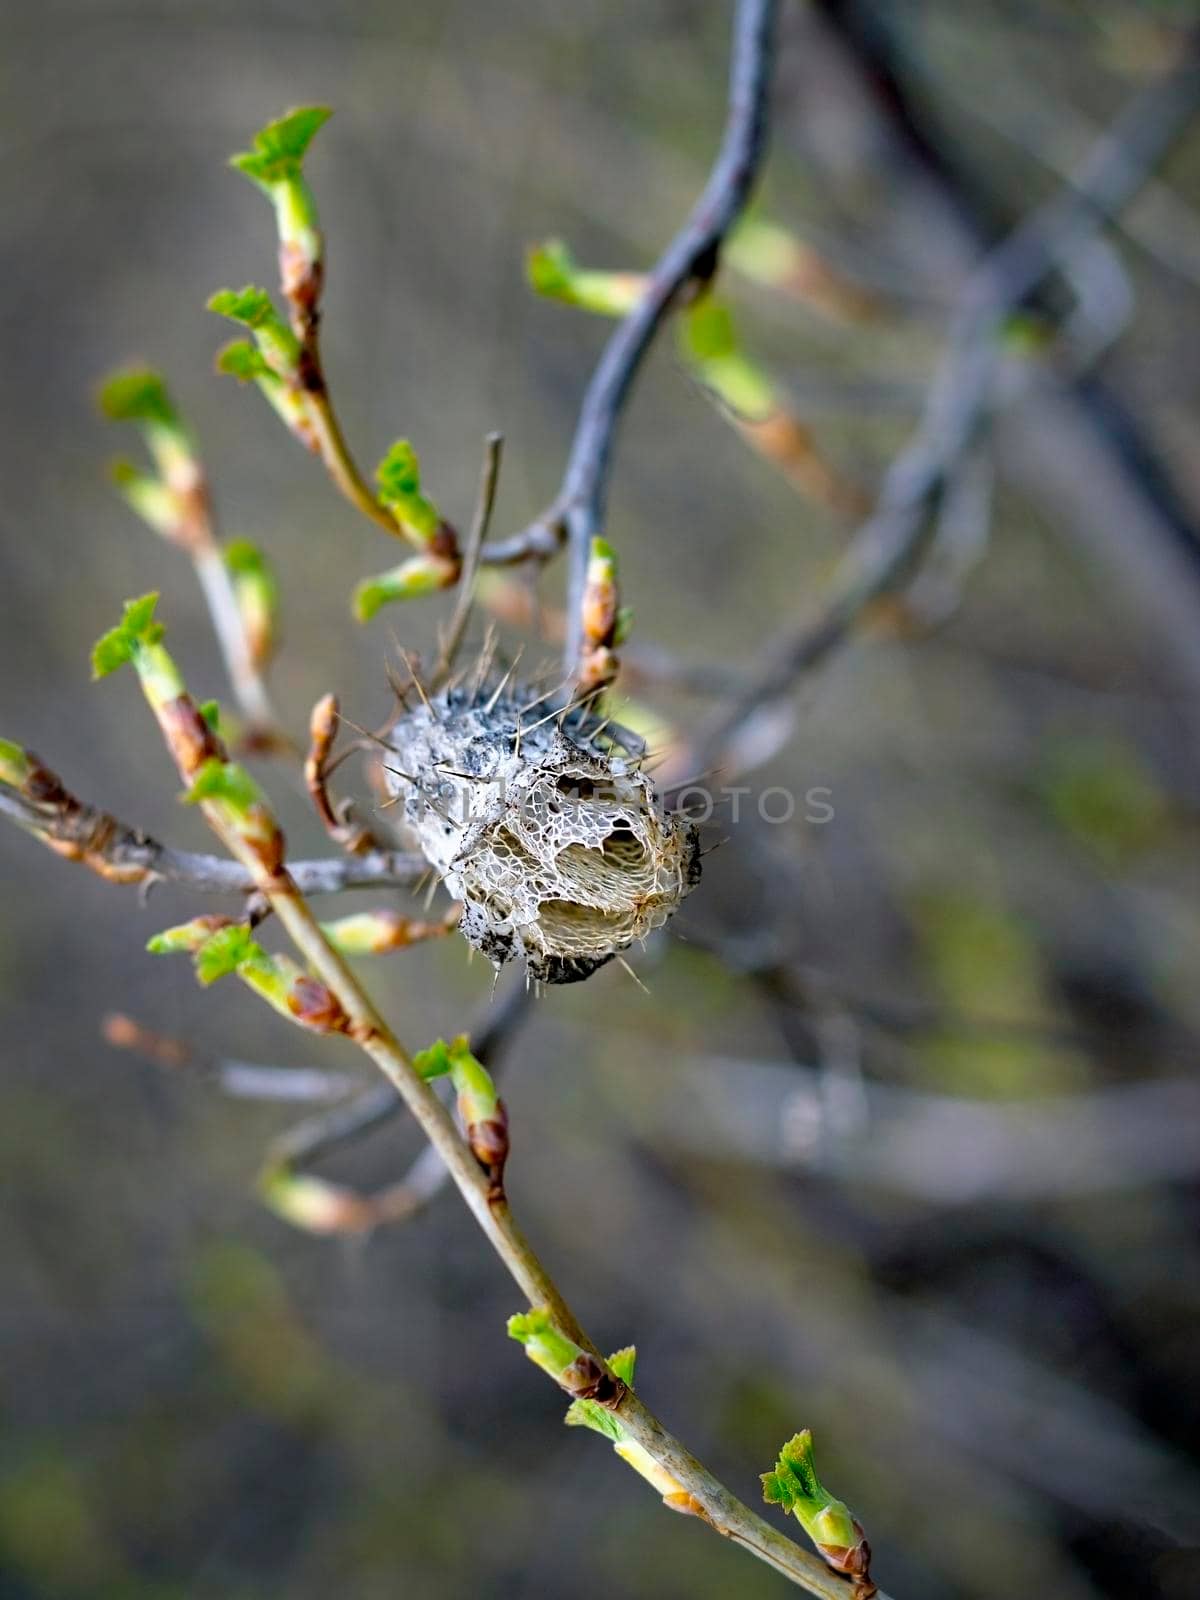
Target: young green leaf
x,y
477,1097
622,1363
243,361
257,596
709,345
136,629
138,394
274,163
226,952
829,1523
14,764
420,575
591,1414
247,363
254,309
545,1346
399,479
434,1062
246,560
154,502
278,149
224,780
250,306
186,937
551,269
553,272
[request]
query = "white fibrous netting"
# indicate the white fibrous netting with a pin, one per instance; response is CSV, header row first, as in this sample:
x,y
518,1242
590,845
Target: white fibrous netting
x,y
553,840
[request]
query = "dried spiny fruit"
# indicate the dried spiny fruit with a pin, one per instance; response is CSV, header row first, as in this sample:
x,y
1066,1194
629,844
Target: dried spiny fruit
x,y
539,819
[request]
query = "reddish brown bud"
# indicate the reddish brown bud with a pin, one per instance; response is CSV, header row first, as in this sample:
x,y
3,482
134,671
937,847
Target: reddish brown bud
x,y
444,545
322,725
489,1144
300,279
315,1006
598,669
853,1560
42,786
263,835
587,1379
189,738
322,729
600,612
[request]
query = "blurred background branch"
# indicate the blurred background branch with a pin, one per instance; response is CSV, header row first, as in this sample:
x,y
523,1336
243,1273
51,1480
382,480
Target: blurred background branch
x,y
888,546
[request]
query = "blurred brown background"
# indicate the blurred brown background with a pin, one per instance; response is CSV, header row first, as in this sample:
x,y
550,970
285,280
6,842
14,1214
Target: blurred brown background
x,y
902,1144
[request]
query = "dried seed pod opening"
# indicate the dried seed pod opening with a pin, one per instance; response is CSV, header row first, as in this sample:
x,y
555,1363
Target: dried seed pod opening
x,y
540,820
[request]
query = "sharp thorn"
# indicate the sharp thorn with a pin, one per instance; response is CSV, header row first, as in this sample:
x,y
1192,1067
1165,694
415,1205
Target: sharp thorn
x,y
417,684
621,961
494,697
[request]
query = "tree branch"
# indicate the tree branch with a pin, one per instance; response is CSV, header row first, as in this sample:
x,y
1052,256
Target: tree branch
x,y
691,258
307,1142
960,396
707,1496
327,997
121,854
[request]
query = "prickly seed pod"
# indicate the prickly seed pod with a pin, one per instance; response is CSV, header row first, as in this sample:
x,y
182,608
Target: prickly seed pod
x,y
540,820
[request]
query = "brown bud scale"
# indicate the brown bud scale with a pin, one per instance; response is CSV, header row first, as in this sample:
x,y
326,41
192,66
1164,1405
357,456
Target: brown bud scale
x,y
315,1006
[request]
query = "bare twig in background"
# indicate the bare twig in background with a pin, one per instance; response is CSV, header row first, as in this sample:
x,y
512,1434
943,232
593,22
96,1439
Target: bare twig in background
x,y
263,728
941,1148
692,257
890,540
241,1080
1058,135
1098,468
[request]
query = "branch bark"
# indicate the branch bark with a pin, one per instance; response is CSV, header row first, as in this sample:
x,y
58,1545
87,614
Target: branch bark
x,y
121,854
692,257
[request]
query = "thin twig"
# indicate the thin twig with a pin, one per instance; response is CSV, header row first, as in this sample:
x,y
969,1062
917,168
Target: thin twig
x,y
891,538
577,514
711,1500
194,532
318,1136
302,284
263,728
341,465
338,820
242,1080
121,854
485,502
